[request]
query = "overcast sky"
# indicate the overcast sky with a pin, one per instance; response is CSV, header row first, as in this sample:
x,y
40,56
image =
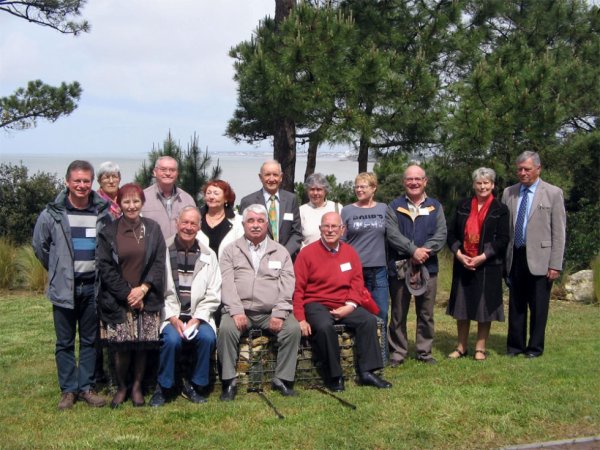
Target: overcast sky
x,y
147,66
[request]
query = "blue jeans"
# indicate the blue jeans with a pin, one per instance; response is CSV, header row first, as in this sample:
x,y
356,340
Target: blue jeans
x,y
171,342
376,281
72,377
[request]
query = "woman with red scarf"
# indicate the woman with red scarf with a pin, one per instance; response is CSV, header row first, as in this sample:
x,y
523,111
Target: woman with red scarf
x,y
477,237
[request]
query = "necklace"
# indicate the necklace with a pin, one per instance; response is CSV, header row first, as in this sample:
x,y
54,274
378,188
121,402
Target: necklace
x,y
141,235
212,221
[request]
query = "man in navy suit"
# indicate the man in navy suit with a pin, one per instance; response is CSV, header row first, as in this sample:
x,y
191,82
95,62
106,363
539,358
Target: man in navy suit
x,y
284,215
535,253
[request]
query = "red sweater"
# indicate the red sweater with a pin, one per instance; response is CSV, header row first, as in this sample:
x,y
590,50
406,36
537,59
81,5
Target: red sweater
x,y
327,278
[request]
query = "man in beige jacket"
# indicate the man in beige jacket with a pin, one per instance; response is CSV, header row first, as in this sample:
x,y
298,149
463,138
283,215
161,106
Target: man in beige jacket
x,y
258,283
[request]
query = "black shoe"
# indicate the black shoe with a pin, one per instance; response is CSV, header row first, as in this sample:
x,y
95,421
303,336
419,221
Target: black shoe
x,y
395,363
284,387
530,355
370,379
229,391
336,384
188,391
158,398
429,360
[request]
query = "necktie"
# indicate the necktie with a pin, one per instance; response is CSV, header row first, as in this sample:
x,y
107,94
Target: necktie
x,y
520,225
273,219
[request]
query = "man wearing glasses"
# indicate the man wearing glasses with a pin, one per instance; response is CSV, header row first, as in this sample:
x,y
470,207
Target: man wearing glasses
x,y
329,290
64,240
535,254
416,232
164,200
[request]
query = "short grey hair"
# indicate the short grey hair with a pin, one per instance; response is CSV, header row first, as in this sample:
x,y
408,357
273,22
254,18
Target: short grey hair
x,y
186,209
485,173
166,158
534,156
269,162
317,180
256,208
107,168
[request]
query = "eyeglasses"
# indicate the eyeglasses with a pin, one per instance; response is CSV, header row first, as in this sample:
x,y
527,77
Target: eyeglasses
x,y
110,177
415,179
330,227
166,169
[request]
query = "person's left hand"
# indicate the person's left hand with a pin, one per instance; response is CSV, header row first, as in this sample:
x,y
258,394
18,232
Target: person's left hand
x,y
341,312
135,299
275,325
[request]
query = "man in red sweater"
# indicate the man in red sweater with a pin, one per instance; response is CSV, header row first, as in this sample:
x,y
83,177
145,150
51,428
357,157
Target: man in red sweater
x,y
329,286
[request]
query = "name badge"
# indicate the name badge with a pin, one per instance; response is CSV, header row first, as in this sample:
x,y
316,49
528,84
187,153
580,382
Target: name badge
x,y
90,232
423,211
205,258
345,267
288,216
274,264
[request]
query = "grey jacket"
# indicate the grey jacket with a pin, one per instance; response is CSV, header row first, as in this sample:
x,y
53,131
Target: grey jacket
x,y
268,291
53,246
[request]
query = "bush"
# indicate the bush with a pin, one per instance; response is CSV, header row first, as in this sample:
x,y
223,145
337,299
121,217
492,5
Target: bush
x,y
22,198
8,270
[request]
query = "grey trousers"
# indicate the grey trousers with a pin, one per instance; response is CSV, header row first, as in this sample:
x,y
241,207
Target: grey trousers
x,y
397,336
288,339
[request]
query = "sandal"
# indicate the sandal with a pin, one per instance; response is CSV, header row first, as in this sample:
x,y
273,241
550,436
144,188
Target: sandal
x,y
456,354
481,352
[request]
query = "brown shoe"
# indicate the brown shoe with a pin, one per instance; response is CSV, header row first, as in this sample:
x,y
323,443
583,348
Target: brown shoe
x,y
67,400
92,399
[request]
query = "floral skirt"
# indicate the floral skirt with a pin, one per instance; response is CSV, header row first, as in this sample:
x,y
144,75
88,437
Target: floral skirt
x,y
140,329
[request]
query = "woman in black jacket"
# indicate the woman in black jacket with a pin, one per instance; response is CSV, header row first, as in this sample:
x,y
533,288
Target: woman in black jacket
x,y
130,257
477,237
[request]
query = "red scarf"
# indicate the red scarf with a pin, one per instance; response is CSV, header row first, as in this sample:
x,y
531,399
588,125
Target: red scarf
x,y
474,225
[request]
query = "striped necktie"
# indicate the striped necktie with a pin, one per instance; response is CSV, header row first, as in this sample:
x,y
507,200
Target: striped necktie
x,y
273,219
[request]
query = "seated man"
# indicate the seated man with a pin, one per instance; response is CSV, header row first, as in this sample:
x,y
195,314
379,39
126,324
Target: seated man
x,y
258,282
329,286
192,295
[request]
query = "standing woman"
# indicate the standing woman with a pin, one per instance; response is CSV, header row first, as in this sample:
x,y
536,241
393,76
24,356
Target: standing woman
x,y
317,187
131,261
478,237
109,178
220,223
365,231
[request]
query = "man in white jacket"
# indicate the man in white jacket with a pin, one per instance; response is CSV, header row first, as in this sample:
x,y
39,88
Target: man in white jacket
x,y
192,295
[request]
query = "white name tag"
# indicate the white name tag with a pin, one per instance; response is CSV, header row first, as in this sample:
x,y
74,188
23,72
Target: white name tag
x,y
423,211
90,232
274,264
345,267
288,216
205,258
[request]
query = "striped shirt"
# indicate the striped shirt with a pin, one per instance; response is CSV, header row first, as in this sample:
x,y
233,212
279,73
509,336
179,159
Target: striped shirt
x,y
83,237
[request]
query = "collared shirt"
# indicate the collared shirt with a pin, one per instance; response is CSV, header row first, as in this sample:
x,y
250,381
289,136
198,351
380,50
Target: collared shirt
x,y
167,201
414,208
267,198
257,252
530,196
329,249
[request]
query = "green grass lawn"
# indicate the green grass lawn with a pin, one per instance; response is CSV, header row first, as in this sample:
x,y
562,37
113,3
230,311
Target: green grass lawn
x,y
455,405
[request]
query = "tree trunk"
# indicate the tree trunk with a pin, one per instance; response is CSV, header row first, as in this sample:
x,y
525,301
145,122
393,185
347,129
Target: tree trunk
x,y
311,161
363,154
284,139
284,151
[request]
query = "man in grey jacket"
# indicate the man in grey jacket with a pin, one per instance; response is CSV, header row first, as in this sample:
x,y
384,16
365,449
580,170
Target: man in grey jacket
x,y
258,284
64,240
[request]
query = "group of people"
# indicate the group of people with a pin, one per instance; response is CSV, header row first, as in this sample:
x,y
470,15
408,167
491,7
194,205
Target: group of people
x,y
138,269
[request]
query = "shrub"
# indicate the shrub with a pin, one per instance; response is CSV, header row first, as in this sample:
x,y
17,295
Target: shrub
x,y
8,271
32,274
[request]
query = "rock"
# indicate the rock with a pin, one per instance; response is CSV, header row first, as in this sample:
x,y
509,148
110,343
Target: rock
x,y
580,286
